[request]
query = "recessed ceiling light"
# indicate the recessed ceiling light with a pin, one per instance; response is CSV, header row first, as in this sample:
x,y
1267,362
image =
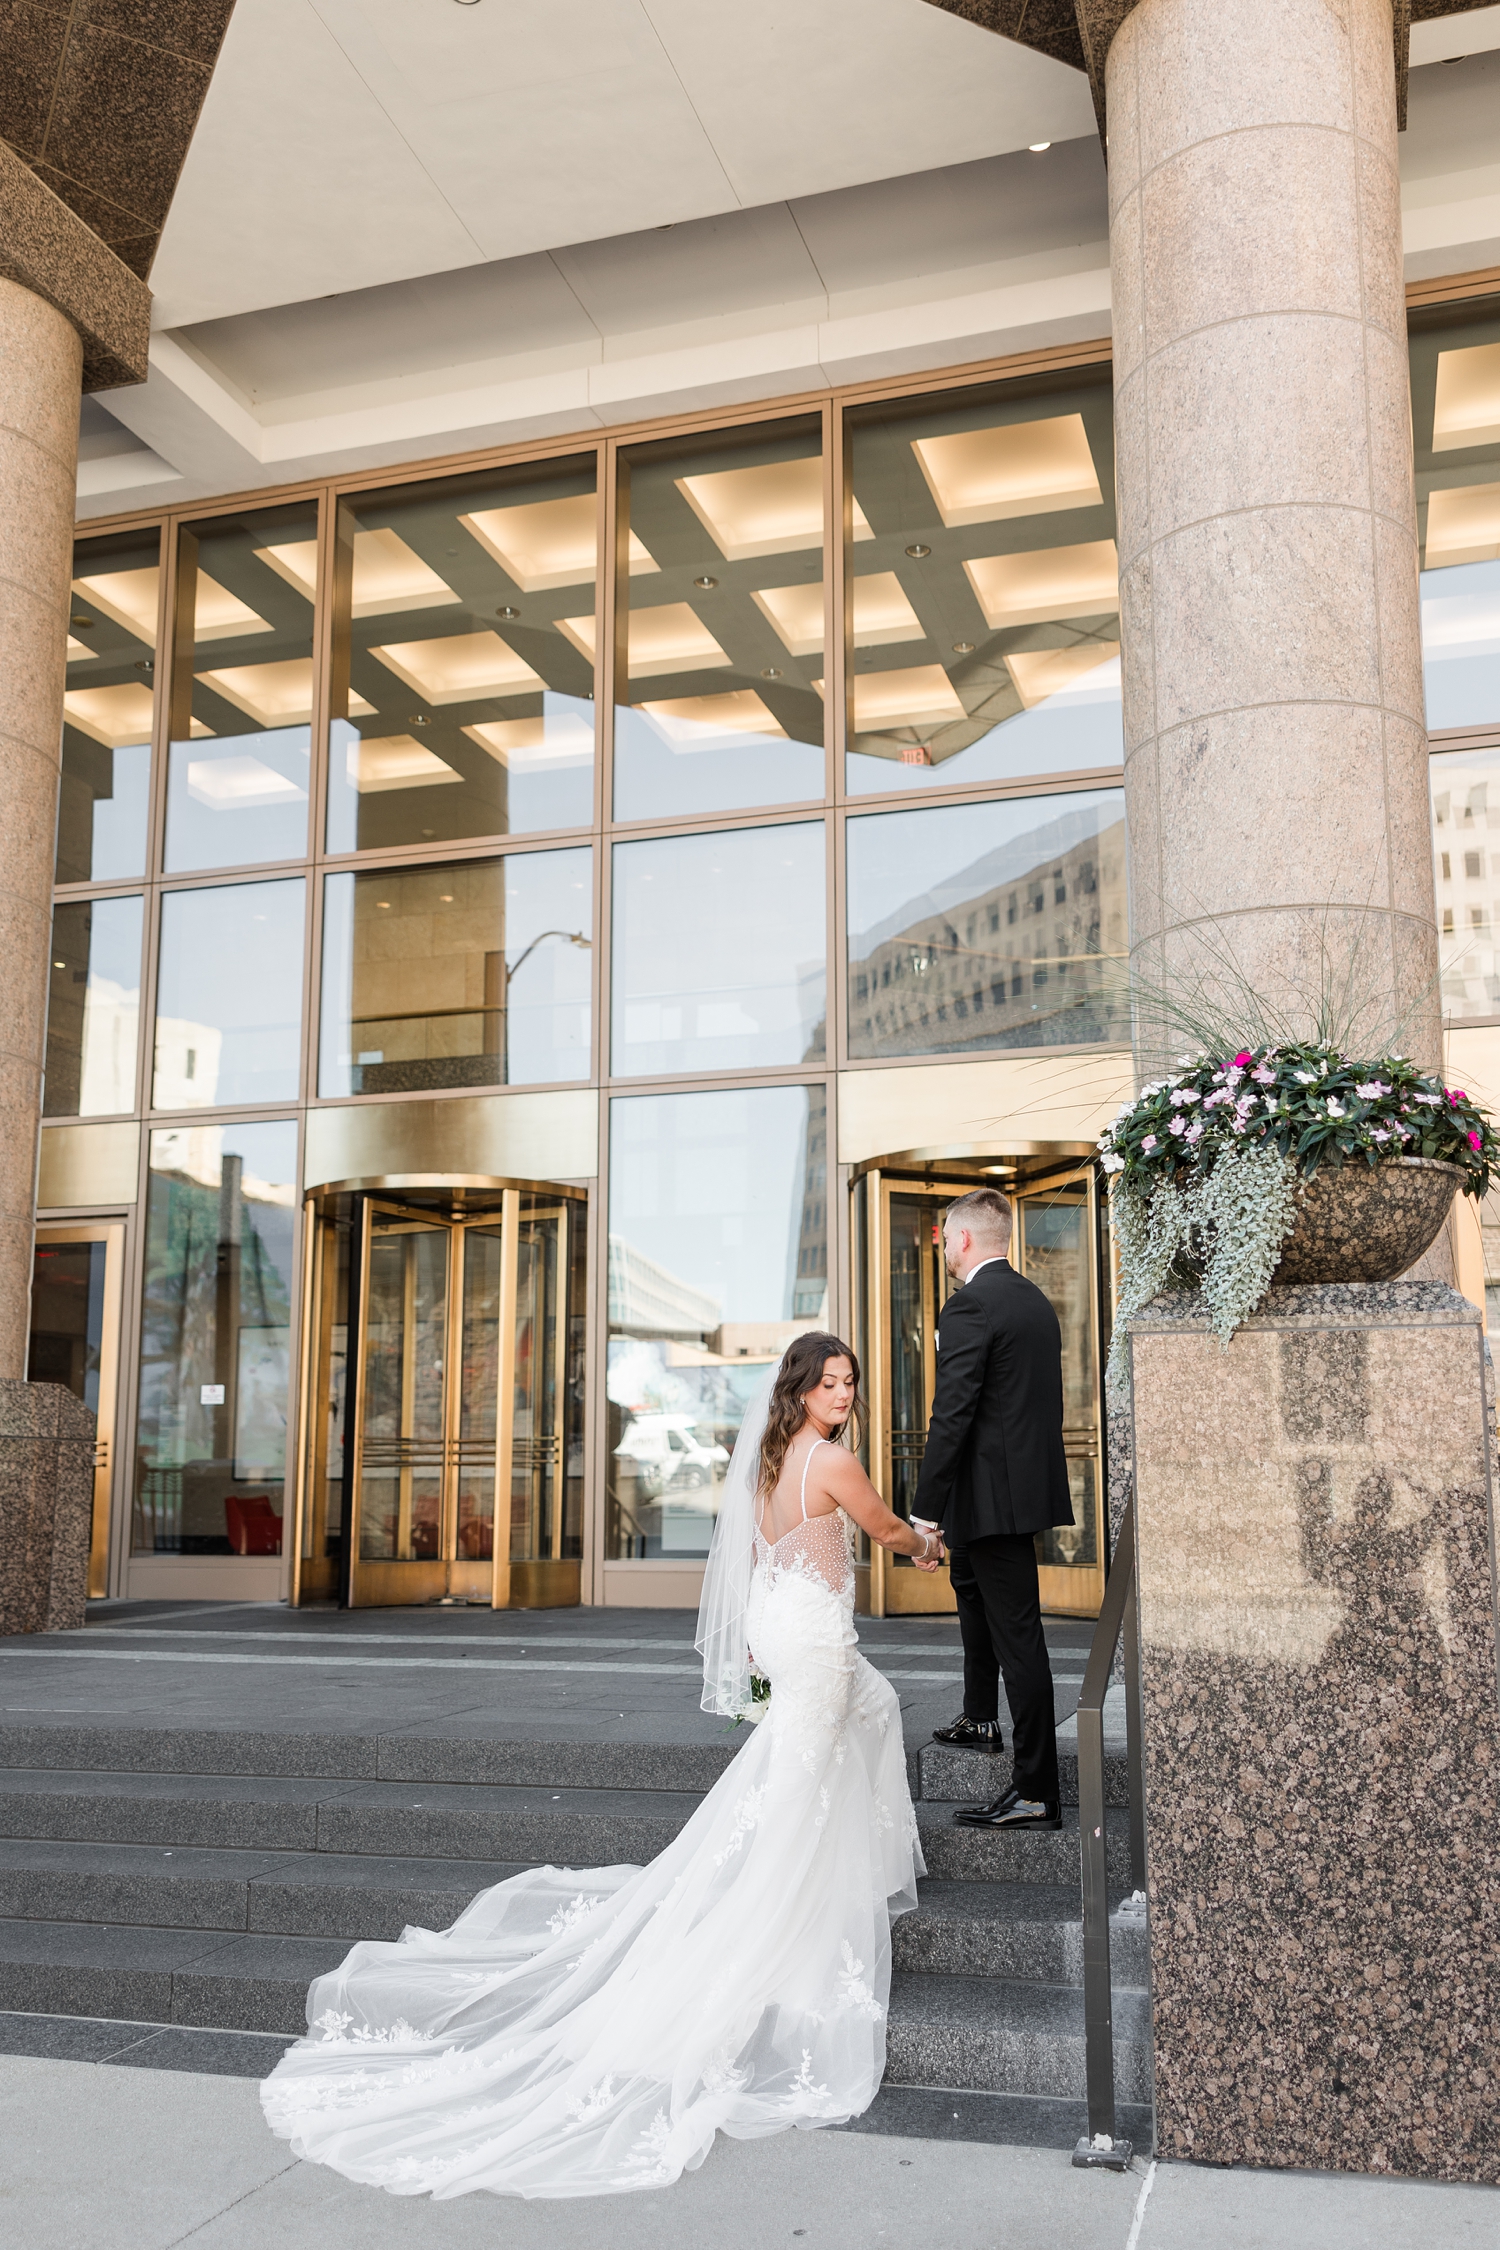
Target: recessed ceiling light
x,y
770,673
508,612
706,583
445,898
59,964
384,905
918,552
82,624
419,719
963,648
1038,148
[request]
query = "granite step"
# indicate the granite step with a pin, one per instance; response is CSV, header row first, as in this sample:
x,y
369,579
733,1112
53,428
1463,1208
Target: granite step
x,y
285,1894
1031,1932
571,1828
975,1777
465,1754
236,1983
1013,2038
959,1929
978,1855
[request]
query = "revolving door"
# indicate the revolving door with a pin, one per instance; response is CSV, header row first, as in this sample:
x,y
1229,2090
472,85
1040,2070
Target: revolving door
x,y
444,1441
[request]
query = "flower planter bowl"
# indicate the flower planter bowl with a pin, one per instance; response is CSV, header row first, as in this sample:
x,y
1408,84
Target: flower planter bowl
x,y
1355,1224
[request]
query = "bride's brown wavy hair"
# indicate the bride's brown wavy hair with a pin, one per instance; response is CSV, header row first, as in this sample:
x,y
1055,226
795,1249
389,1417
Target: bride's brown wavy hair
x,y
801,1371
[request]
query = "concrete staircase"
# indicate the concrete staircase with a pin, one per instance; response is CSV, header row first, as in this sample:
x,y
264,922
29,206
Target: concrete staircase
x,y
179,1877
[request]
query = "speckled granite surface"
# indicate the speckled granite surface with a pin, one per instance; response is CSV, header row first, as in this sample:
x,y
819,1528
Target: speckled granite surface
x,y
1322,1738
46,1507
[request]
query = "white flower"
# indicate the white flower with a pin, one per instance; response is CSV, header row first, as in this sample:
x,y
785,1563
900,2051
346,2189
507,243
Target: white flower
x,y
1335,1109
1307,1077
1114,1163
1177,1125
1263,1076
1187,1094
1372,1092
1430,1101
1379,1133
1194,1131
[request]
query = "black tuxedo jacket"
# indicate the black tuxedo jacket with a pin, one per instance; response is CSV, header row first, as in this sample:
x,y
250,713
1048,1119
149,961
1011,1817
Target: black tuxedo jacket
x,y
994,1458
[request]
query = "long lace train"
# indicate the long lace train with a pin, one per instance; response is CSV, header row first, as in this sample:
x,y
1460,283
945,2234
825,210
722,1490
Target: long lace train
x,y
577,2033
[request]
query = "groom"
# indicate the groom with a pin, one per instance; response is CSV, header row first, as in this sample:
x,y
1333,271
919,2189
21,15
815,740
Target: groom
x,y
993,1475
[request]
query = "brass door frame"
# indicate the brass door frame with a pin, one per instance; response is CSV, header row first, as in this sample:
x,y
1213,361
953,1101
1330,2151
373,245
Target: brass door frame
x,y
111,1232
1071,1591
1065,1591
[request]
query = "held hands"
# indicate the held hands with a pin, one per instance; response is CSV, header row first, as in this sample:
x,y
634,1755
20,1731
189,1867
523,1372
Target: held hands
x,y
931,1556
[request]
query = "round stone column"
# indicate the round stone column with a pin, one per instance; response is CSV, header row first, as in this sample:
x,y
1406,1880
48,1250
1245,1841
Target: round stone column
x,y
1275,746
41,361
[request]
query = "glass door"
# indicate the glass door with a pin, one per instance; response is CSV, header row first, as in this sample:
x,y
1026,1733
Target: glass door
x,y
447,1348
76,1294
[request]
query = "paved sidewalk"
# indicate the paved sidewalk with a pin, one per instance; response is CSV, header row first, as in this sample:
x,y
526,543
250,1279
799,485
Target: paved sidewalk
x,y
150,2160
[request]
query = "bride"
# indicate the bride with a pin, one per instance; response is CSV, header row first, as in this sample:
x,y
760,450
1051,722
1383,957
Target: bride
x,y
581,2032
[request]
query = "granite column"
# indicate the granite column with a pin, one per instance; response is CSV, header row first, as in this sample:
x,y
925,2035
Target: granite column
x,y
41,361
1276,780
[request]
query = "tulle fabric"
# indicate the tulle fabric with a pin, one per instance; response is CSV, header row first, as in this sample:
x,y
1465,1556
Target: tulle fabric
x,y
583,2032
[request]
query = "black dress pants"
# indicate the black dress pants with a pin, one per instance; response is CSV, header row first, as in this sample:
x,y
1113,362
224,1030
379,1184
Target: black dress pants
x,y
1000,1618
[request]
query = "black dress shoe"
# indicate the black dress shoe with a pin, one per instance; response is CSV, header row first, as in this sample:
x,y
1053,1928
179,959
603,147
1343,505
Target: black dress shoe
x,y
970,1734
1010,1811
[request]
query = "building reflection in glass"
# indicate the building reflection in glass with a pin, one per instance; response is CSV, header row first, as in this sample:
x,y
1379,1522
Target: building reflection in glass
x,y
229,996
94,1007
985,586
718,1256
471,973
108,708
1455,378
1466,868
242,691
210,1464
463,662
975,926
721,589
719,950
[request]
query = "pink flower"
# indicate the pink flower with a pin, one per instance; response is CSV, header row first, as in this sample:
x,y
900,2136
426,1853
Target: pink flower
x,y
1149,1142
1475,1143
1455,1096
1194,1131
1262,1076
1243,1061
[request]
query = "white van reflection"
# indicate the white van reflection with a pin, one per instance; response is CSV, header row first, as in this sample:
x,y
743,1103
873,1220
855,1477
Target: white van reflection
x,y
673,1453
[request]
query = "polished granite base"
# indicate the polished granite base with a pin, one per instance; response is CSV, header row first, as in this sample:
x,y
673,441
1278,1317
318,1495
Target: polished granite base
x,y
46,1507
1322,1739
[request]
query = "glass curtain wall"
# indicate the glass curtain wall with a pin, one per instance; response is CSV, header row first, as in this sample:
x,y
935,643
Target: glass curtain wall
x,y
109,709
984,592
463,657
380,831
1455,373
216,1328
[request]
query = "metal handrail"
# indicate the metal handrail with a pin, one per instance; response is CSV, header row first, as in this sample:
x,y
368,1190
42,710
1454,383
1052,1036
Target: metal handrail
x,y
1119,1612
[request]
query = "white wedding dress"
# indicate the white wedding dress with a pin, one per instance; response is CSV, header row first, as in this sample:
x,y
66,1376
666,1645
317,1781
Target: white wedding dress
x,y
580,2032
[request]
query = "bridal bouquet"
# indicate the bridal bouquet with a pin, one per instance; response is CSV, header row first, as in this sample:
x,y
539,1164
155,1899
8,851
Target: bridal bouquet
x,y
759,1704
1205,1166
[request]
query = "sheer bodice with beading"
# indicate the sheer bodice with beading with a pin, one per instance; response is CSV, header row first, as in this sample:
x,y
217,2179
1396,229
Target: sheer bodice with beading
x,y
583,2032
817,1547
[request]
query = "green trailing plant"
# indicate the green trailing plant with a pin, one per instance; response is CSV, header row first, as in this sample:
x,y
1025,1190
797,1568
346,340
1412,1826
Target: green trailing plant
x,y
1205,1167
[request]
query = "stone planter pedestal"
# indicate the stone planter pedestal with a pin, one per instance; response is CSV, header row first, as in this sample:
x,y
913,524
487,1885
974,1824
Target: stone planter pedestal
x,y
46,1507
1322,1736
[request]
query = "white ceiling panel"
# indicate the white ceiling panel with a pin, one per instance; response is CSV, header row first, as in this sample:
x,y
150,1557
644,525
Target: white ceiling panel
x,y
539,119
347,143
799,96
297,183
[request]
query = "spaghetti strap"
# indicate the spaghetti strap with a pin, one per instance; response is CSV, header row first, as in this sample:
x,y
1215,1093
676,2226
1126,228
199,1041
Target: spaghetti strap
x,y
807,1464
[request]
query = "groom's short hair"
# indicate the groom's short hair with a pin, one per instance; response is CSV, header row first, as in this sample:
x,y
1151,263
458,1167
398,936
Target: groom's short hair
x,y
986,1213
